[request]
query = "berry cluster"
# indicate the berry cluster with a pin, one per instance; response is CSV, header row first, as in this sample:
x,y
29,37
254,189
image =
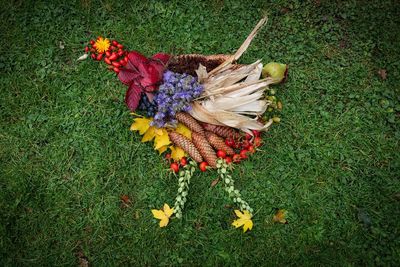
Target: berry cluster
x,y
145,105
175,95
243,147
112,53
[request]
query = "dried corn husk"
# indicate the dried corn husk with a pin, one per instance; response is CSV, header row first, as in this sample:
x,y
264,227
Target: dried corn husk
x,y
232,94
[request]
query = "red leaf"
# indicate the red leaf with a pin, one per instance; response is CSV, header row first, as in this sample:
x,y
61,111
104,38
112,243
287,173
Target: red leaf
x,y
164,58
152,73
132,96
128,76
135,60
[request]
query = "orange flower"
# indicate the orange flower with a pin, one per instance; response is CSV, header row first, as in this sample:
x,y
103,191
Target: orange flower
x,y
102,45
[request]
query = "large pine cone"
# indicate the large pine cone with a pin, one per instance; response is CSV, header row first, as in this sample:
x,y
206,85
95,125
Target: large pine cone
x,y
223,131
218,143
190,122
187,145
205,149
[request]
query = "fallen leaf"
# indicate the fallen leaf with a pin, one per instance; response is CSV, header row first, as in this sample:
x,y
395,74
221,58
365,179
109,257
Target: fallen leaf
x,y
177,153
161,138
163,215
83,57
183,130
244,220
214,182
280,216
382,73
125,201
141,125
149,135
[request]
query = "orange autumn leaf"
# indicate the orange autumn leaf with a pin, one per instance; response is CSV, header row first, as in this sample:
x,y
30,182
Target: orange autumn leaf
x,y
280,216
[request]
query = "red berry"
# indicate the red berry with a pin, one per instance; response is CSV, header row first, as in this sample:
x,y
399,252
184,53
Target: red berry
x,y
256,133
107,60
257,141
108,53
113,56
116,64
174,167
120,53
246,144
236,158
122,62
251,149
94,46
92,42
99,57
243,153
183,161
168,156
230,142
228,160
120,46
203,166
116,70
113,47
221,154
248,136
93,56
86,49
114,43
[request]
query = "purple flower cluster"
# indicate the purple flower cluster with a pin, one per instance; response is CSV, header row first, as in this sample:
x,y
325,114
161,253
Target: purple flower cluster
x,y
175,95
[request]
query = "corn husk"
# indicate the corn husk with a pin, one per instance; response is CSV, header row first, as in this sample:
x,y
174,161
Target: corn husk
x,y
233,95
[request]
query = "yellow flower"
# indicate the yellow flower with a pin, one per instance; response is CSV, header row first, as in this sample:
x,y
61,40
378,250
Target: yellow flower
x,y
102,45
163,215
244,220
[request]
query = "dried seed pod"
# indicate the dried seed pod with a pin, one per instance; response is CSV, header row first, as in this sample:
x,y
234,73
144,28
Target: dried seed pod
x,y
205,149
187,145
223,131
218,143
190,122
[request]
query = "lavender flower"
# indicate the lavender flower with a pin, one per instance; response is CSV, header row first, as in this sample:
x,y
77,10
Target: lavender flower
x,y
175,95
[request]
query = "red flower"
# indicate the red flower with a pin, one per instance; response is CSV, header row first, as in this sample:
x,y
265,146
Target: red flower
x,y
142,74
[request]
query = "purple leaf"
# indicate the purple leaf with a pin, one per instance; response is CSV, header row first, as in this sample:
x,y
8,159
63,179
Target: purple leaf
x,y
164,58
132,96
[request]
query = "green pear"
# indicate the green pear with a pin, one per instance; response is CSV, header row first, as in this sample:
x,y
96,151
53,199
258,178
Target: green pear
x,y
274,70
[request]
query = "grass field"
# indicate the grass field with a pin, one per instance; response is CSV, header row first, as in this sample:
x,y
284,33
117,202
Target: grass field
x,y
67,154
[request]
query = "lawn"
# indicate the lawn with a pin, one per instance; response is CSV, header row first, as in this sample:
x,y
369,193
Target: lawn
x,y
67,155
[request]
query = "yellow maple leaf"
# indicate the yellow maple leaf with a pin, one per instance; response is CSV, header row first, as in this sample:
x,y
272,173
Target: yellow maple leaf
x,y
280,216
177,153
141,125
163,215
149,135
162,149
161,138
244,220
183,130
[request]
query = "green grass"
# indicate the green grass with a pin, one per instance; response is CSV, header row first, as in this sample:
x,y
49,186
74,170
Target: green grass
x,y
67,155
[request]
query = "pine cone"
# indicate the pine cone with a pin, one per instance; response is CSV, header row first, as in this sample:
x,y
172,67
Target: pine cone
x,y
205,149
223,131
187,145
190,122
218,143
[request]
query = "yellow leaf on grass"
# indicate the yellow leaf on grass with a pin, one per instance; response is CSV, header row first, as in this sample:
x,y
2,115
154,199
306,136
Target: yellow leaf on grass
x,y
161,139
183,130
141,125
244,220
149,135
177,153
163,215
280,216
162,149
